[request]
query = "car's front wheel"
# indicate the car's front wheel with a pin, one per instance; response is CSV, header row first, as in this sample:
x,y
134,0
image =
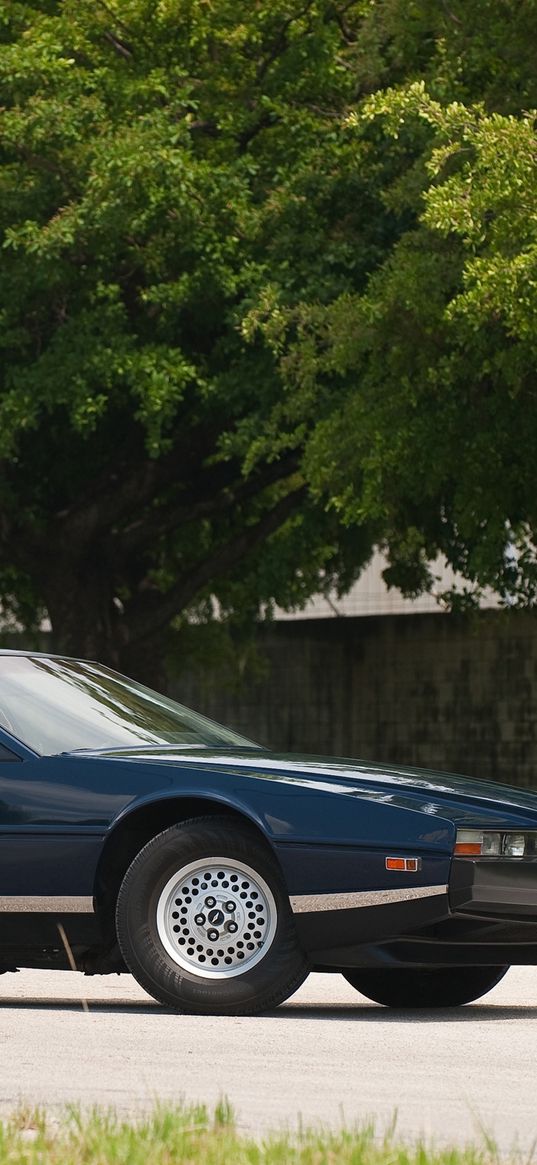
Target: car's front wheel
x,y
204,922
426,986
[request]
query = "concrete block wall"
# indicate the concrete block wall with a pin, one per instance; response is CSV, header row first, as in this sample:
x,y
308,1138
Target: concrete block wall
x,y
434,690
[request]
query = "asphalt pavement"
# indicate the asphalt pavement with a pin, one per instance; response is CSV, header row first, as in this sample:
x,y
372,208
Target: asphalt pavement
x,y
327,1056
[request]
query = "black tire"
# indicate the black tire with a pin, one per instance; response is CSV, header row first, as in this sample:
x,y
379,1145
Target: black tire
x,y
144,928
425,986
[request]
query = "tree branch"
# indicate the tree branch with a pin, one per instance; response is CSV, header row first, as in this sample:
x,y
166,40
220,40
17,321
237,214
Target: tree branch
x,y
266,121
151,611
209,128
114,16
113,497
454,19
118,45
160,520
346,34
280,44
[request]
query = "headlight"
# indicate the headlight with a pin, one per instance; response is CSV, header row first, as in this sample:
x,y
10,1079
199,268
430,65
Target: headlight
x,y
514,845
491,845
477,843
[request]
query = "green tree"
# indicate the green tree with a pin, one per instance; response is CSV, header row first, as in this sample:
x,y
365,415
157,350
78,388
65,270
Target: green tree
x,y
266,296
163,165
433,431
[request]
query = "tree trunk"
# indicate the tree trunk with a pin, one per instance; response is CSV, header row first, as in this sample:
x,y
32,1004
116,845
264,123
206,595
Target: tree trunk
x,y
82,625
146,662
80,592
87,622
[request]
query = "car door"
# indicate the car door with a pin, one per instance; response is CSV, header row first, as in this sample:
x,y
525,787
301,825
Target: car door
x,y
48,851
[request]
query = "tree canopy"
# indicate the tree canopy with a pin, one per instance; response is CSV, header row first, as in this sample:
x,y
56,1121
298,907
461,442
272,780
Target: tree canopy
x,y
434,435
160,161
266,297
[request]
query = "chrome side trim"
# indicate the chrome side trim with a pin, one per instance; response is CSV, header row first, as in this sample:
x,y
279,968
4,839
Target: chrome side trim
x,y
307,903
46,904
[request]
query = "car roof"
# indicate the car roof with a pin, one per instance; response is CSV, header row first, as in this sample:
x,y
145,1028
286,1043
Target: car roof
x,y
4,651
9,651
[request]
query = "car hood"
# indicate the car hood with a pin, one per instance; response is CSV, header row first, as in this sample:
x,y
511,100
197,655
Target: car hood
x,y
452,795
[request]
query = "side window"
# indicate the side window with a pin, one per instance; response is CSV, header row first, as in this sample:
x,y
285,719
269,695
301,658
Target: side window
x,y
6,754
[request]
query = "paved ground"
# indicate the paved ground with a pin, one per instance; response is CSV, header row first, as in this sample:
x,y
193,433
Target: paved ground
x,y
325,1056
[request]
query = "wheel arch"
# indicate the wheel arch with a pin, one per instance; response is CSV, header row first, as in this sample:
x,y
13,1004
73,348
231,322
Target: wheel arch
x,y
143,822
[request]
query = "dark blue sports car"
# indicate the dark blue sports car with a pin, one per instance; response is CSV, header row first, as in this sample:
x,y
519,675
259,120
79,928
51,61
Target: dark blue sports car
x,y
137,835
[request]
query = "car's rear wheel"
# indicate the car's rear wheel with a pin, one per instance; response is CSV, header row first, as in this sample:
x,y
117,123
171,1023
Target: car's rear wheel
x,y
426,986
204,921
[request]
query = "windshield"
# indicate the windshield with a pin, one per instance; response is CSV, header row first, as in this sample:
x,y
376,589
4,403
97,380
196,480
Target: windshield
x,y
58,705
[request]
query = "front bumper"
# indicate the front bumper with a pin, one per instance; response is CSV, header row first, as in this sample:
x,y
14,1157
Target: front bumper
x,y
486,915
494,888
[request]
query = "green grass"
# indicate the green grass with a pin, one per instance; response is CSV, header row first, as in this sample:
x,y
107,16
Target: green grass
x,y
193,1136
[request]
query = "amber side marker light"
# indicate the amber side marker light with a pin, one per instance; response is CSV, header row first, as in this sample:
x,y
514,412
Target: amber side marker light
x,y
407,865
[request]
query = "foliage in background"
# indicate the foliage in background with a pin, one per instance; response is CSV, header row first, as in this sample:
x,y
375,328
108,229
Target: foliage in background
x,y
267,296
159,162
434,435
